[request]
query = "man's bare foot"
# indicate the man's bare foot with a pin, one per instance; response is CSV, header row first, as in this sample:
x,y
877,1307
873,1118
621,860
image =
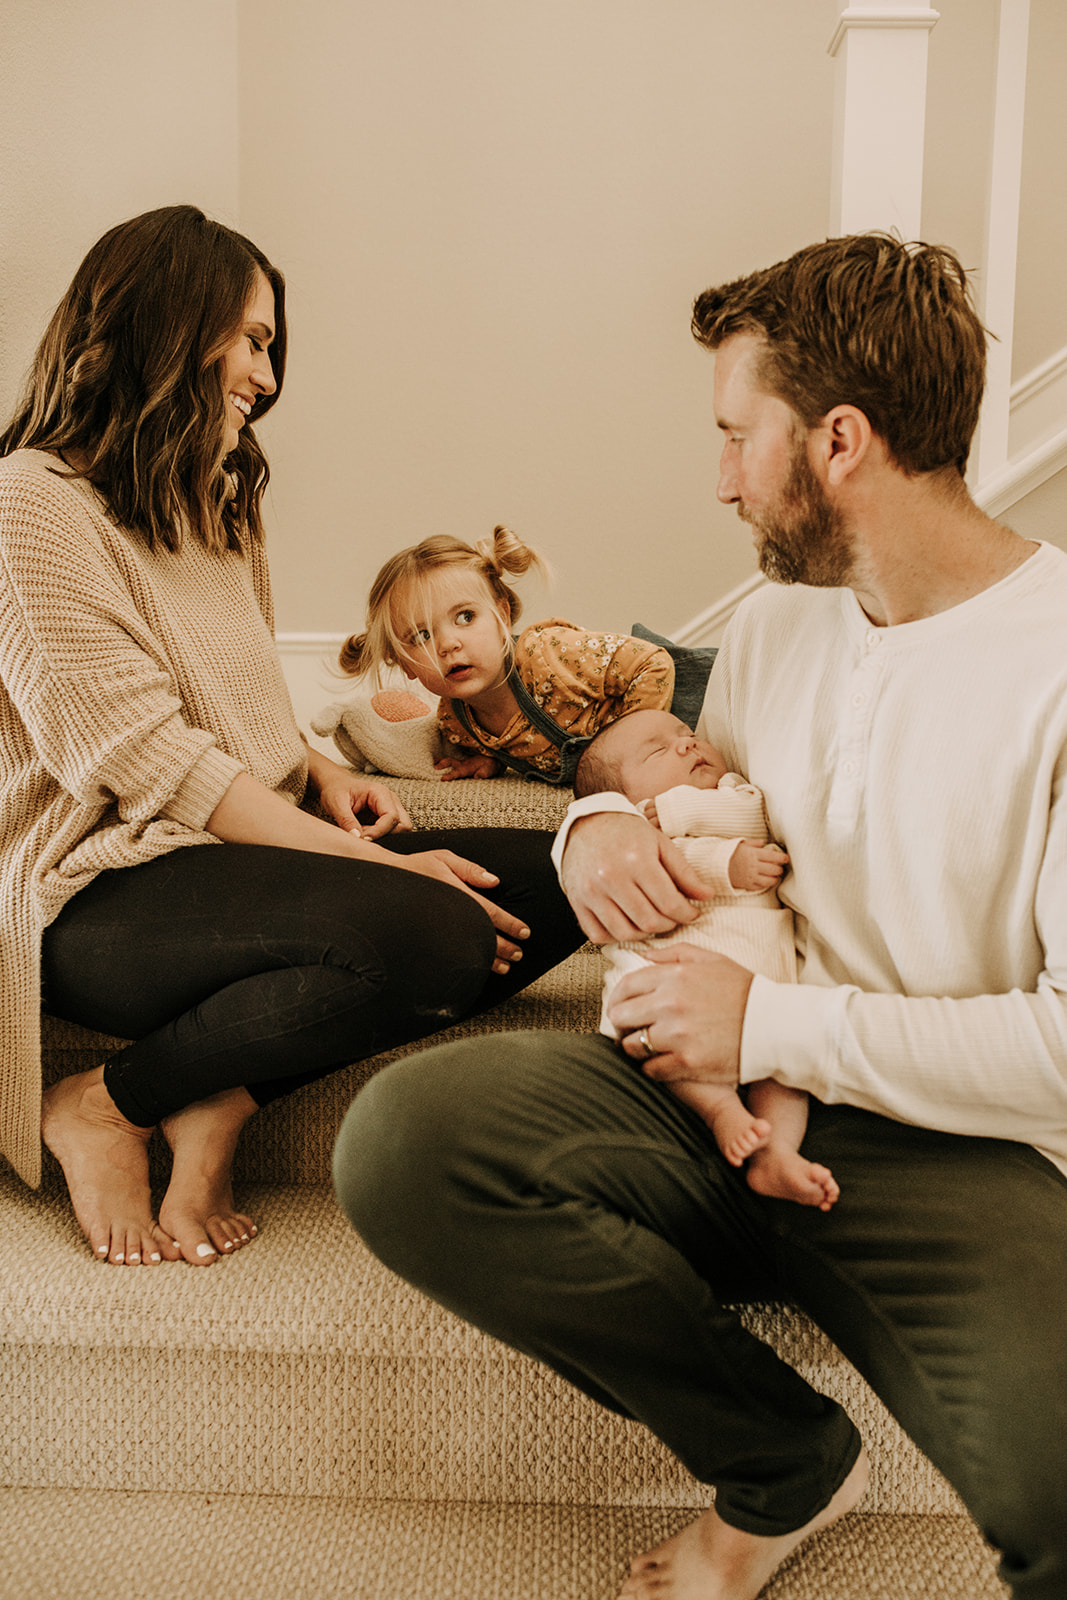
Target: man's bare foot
x,y
198,1209
780,1171
105,1162
710,1560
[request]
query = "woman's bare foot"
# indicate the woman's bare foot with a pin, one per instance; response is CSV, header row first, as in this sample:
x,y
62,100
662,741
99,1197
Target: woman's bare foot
x,y
782,1172
710,1560
105,1162
198,1209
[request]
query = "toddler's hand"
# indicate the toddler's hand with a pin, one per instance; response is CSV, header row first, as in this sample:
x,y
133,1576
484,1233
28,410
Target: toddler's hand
x,y
466,767
757,866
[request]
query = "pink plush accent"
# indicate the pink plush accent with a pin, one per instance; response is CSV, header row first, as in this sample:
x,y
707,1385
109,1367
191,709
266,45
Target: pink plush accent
x,y
396,705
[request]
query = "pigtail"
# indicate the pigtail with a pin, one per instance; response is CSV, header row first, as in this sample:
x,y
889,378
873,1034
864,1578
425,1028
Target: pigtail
x,y
505,552
356,657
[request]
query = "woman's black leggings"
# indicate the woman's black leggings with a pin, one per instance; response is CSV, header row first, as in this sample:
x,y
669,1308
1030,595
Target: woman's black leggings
x,y
250,965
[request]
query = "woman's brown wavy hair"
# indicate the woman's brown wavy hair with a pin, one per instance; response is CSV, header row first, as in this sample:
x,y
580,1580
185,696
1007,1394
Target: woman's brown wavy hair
x,y
128,379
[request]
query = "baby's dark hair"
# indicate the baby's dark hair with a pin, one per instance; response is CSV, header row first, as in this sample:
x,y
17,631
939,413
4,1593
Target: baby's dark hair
x,y
412,570
597,772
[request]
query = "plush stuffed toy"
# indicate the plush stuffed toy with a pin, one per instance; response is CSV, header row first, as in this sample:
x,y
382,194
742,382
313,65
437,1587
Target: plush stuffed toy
x,y
392,732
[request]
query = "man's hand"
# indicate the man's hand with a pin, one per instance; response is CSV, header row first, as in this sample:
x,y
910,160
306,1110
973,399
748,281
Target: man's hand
x,y
626,879
690,1004
757,866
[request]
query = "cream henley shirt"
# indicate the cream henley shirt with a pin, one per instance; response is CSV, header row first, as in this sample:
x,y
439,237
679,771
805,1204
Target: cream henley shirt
x,y
916,775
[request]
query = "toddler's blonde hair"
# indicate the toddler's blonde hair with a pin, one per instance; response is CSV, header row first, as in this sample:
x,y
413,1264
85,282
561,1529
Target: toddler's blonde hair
x,y
384,644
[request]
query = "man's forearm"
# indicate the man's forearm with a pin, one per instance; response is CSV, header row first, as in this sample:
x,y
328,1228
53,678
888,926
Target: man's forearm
x,y
991,1065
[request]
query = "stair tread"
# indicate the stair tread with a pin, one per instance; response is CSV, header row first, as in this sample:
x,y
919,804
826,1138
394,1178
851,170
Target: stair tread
x,y
93,1545
306,1283
302,1365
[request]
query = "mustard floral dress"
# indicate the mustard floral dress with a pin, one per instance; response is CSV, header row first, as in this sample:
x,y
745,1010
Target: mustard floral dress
x,y
580,680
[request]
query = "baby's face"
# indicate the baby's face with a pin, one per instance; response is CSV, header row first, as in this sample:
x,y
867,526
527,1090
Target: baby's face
x,y
655,751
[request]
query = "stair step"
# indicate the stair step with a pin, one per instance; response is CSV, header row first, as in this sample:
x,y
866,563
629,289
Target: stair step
x,y
58,1544
301,1366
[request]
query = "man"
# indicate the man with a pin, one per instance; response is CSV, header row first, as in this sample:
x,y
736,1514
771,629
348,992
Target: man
x,y
900,696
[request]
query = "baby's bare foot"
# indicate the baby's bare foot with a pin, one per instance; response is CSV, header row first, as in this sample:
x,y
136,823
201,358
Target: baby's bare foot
x,y
198,1208
710,1560
784,1174
744,1142
105,1162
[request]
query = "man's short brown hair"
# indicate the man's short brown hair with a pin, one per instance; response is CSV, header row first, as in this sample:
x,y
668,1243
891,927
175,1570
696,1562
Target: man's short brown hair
x,y
871,322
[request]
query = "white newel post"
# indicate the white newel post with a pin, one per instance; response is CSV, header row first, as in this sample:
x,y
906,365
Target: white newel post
x,y
1002,239
879,117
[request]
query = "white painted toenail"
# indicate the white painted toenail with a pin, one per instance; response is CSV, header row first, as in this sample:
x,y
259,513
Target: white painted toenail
x,y
135,1255
244,1236
205,1250
101,1249
156,1256
120,1258
228,1245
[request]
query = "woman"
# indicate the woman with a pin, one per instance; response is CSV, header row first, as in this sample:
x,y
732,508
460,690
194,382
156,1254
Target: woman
x,y
143,712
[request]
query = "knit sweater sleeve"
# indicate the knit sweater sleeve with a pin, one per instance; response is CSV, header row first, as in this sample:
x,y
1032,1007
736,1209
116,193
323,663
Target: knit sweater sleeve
x,y
88,681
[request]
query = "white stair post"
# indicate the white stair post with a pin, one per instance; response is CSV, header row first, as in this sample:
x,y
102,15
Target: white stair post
x,y
881,50
1002,239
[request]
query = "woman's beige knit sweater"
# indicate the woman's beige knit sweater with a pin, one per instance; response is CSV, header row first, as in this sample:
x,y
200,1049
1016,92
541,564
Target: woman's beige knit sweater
x,y
133,688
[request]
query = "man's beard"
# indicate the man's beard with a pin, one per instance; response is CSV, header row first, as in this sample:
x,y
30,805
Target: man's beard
x,y
802,538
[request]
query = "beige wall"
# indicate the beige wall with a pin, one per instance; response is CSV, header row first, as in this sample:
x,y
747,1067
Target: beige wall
x,y
106,110
494,218
493,215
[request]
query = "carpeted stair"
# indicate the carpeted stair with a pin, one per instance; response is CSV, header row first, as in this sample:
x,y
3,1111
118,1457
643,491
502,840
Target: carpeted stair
x,y
295,1424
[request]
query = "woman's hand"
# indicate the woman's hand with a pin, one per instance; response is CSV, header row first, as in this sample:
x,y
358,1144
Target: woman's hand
x,y
466,767
343,794
342,799
690,1006
447,867
626,879
248,813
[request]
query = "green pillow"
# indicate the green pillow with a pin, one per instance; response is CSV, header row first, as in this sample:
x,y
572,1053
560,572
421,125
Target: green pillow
x,y
692,669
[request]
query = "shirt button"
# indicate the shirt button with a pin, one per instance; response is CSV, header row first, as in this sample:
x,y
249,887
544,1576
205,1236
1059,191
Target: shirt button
x,y
848,768
873,638
859,699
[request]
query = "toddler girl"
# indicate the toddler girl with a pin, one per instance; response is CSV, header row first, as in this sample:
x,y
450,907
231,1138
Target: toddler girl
x,y
442,612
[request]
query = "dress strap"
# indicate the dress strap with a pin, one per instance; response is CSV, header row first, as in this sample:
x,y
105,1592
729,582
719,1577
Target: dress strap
x,y
570,746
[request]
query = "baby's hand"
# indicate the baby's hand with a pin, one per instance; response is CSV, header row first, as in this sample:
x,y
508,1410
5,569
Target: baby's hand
x,y
757,866
466,767
648,810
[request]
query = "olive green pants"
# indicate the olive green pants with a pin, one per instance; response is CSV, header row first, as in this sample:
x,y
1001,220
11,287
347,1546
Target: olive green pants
x,y
541,1187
